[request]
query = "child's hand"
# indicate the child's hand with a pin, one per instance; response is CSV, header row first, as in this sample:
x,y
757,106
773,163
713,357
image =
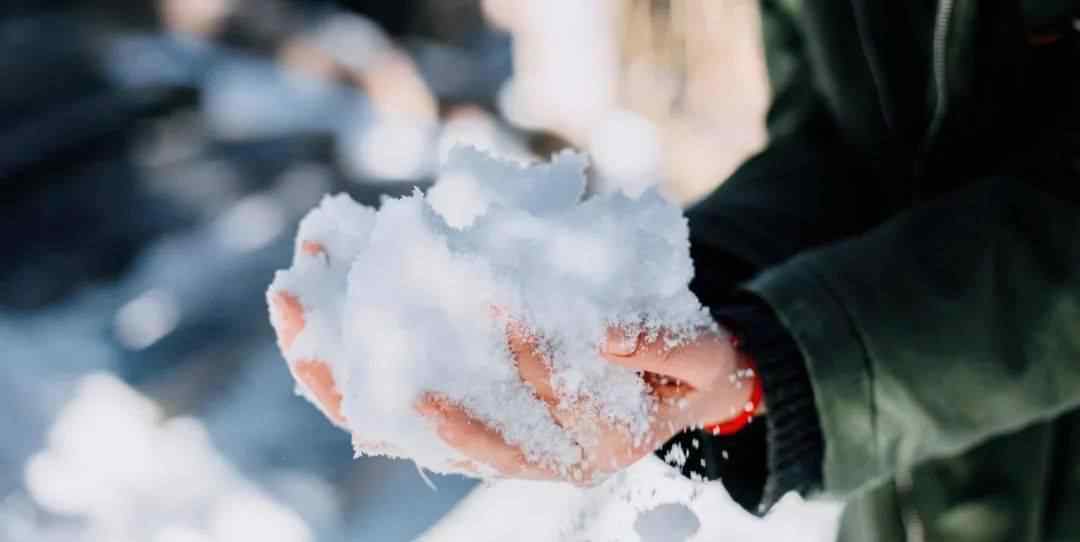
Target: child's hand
x,y
694,384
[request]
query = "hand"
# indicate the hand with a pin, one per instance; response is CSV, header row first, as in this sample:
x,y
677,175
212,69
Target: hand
x,y
313,375
693,384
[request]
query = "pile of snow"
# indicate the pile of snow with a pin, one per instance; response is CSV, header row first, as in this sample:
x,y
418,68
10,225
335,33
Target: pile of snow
x,y
415,297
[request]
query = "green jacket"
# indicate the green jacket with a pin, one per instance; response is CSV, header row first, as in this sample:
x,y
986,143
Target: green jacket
x,y
913,223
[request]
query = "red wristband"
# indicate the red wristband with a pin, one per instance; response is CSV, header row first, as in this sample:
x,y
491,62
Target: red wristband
x,y
746,414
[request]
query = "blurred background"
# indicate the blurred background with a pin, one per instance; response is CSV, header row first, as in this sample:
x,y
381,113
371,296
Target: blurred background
x,y
155,157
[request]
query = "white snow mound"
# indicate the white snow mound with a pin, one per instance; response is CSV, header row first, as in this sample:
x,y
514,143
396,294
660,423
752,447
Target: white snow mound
x,y
414,297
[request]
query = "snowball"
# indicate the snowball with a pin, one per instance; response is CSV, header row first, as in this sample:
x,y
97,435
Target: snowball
x,y
415,297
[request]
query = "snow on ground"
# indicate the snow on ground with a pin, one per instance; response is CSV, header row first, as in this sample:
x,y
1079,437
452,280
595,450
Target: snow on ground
x,y
117,470
649,502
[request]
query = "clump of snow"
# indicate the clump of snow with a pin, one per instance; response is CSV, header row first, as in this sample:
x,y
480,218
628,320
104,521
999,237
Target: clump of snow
x,y
416,297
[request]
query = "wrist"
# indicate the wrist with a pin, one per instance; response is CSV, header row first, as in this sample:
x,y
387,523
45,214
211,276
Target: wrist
x,y
743,392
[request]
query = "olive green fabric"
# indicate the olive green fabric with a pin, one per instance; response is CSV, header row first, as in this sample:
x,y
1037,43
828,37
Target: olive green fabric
x,y
956,324
915,217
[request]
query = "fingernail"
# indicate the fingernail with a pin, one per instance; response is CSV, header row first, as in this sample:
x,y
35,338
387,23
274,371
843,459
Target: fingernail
x,y
312,248
427,406
620,343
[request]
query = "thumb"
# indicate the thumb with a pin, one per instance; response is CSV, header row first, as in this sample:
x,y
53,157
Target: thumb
x,y
700,362
621,342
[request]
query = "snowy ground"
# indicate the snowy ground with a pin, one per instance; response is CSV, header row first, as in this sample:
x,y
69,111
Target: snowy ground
x,y
648,503
114,468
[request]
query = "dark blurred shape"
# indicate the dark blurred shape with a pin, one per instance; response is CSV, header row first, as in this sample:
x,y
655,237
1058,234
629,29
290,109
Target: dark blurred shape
x,y
396,18
75,206
65,134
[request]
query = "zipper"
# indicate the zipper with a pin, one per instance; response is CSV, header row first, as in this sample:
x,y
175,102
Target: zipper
x,y
873,62
941,80
914,526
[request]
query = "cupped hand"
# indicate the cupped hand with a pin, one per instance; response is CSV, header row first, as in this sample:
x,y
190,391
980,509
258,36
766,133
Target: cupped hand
x,y
695,383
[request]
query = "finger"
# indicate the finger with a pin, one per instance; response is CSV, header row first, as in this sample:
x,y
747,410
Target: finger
x,y
478,442
653,354
535,370
376,447
610,446
466,465
532,365
483,445
315,375
581,416
621,341
697,362
666,387
620,347
312,248
288,318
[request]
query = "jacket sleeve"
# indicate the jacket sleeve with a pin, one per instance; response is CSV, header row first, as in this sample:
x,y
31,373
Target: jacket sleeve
x,y
804,189
951,323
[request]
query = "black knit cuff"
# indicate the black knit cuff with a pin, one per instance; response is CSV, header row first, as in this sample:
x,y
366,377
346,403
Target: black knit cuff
x,y
793,432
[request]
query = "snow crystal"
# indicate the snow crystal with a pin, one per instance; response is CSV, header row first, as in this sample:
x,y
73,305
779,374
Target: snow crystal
x,y
676,456
415,297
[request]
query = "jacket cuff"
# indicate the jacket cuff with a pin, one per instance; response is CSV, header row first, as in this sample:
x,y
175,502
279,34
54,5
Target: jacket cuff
x,y
837,364
795,447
